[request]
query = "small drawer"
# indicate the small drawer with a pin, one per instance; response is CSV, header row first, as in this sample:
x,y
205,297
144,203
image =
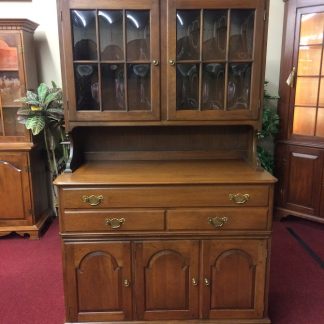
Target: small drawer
x,y
211,219
165,196
112,220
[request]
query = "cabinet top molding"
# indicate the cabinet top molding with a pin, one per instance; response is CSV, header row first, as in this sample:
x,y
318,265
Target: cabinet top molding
x,y
18,24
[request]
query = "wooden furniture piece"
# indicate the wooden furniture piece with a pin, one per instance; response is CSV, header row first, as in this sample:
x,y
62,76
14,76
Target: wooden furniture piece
x,y
24,194
164,211
300,149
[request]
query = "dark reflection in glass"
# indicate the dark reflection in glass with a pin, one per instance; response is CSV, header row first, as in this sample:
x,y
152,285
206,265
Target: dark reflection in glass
x,y
188,34
84,34
111,34
187,86
241,34
239,86
213,85
10,88
113,87
215,34
87,87
12,127
138,35
139,86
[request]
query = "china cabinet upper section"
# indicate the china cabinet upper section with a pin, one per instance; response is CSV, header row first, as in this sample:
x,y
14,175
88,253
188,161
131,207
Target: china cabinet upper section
x,y
17,73
306,103
172,60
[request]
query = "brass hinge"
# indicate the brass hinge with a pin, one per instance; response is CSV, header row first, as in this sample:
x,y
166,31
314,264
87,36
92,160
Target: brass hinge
x,y
67,105
61,16
265,15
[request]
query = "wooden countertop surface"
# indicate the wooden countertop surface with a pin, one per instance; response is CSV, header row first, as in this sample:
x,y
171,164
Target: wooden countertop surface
x,y
164,172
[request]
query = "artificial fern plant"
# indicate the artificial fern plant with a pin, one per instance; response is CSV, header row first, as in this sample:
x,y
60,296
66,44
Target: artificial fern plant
x,y
270,127
42,112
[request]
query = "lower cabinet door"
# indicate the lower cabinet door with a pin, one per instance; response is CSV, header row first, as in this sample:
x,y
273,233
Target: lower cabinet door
x,y
15,199
233,278
166,280
98,281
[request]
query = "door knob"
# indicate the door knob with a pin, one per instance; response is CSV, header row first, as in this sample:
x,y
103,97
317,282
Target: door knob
x,y
172,62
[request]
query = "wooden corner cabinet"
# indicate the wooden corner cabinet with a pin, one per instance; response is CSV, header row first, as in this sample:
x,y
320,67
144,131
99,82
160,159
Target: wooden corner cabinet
x,y
165,213
24,195
300,149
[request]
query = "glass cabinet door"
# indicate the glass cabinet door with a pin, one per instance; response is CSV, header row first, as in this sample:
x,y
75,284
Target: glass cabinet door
x,y
308,97
115,69
11,85
214,59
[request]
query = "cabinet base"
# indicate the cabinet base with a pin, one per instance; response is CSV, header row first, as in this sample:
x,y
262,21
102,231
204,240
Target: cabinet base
x,y
265,320
33,231
280,213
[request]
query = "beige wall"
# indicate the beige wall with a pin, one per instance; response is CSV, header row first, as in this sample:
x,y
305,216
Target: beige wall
x,y
274,45
43,12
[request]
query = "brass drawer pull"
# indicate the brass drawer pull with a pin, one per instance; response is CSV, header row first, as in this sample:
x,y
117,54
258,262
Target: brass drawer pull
x,y
194,282
92,200
115,222
217,222
206,282
126,283
239,198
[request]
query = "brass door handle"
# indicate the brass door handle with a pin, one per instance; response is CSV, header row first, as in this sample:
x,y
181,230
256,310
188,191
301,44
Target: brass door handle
x,y
115,222
291,78
172,62
194,282
156,62
239,198
126,283
217,222
92,200
206,282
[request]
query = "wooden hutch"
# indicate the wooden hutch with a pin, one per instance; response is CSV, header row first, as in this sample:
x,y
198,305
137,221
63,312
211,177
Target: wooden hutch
x,y
24,196
300,145
164,211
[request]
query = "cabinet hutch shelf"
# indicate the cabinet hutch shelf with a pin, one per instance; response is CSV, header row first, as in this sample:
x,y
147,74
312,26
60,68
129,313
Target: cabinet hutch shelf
x,y
24,194
165,213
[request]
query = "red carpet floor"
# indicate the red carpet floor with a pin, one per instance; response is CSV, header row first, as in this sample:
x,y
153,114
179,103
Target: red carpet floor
x,y
31,289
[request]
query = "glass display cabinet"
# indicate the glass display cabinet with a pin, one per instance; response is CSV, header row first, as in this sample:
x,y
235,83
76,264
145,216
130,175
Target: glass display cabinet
x,y
24,199
301,142
165,213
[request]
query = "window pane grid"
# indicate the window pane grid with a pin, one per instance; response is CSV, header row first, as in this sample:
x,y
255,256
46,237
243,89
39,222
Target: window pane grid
x,y
112,56
222,68
309,96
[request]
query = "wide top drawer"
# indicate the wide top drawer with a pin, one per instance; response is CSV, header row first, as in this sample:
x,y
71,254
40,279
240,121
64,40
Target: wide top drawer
x,y
164,196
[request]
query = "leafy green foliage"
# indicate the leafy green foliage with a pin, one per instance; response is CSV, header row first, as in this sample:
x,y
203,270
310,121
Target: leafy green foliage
x,y
42,111
36,124
270,127
266,159
43,107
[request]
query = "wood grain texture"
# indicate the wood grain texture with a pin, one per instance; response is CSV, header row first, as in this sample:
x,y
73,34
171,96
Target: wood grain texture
x,y
25,205
163,175
165,172
299,165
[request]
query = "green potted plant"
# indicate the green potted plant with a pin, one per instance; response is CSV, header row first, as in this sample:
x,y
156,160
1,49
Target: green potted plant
x,y
270,127
42,113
